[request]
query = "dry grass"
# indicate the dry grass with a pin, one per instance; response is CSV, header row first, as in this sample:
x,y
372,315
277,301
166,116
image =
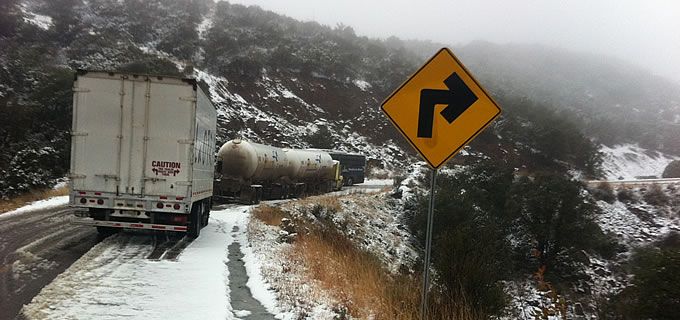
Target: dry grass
x,y
358,280
353,277
269,215
26,198
331,203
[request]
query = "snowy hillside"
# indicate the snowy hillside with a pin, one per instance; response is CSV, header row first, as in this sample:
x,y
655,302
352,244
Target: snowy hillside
x,y
629,161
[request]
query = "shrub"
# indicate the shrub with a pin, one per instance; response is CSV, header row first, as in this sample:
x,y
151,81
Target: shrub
x,y
558,217
654,291
604,192
269,215
322,138
470,251
672,170
625,195
656,196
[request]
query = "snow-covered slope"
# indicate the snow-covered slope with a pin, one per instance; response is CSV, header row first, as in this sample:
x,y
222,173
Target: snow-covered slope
x,y
629,161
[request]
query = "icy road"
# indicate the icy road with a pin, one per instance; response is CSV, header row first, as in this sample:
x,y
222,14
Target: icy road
x,y
214,277
37,243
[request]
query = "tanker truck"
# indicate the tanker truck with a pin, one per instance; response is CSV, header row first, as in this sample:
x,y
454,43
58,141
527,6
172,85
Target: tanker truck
x,y
248,172
141,152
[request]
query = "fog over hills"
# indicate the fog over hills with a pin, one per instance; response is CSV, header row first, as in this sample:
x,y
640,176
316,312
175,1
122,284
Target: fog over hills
x,y
281,81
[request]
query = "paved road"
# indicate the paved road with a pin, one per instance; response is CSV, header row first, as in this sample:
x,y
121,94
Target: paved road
x,y
634,183
35,247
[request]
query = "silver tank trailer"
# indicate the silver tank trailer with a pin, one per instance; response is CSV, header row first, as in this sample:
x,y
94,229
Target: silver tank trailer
x,y
249,161
250,171
310,164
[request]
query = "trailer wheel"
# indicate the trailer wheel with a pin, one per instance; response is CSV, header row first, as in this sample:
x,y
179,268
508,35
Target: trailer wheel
x,y
255,195
194,229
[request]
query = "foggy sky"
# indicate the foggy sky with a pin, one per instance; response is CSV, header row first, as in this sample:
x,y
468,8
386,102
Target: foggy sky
x,y
644,32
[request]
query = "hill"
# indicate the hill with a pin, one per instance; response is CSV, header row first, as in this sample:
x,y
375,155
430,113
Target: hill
x,y
274,80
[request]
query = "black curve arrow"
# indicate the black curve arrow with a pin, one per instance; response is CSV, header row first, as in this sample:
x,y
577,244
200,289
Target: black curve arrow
x,y
458,99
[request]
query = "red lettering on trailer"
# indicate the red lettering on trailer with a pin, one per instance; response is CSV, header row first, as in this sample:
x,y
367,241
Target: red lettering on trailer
x,y
166,168
157,227
134,225
181,228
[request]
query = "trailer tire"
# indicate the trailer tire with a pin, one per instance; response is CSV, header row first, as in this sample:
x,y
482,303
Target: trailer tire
x,y
194,229
206,212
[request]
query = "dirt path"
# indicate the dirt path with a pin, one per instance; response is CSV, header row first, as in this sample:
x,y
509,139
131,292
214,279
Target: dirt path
x,y
245,306
35,247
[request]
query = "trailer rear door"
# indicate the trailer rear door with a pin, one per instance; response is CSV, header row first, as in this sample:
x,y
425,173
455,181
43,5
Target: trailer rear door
x,y
132,135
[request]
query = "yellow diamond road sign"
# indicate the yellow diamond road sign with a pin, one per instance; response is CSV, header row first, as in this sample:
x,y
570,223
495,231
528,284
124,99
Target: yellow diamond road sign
x,y
440,108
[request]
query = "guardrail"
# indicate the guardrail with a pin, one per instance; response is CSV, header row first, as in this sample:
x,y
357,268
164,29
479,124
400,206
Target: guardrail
x,y
633,183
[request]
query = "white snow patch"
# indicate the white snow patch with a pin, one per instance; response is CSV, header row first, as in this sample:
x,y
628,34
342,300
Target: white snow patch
x,y
378,182
242,313
61,183
206,24
38,205
362,84
39,20
630,161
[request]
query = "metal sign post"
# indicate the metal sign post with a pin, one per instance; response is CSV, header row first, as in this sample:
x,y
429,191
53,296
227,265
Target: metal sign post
x,y
428,248
437,133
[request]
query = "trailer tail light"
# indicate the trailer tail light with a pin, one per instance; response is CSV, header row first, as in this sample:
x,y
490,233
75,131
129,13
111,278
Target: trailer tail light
x,y
163,197
100,202
159,205
82,192
179,219
180,198
83,200
97,193
176,206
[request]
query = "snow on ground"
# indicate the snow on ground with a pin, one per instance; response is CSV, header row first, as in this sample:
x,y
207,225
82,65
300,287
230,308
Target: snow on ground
x,y
371,220
362,84
411,182
39,20
284,271
37,205
630,161
378,182
637,222
206,24
115,280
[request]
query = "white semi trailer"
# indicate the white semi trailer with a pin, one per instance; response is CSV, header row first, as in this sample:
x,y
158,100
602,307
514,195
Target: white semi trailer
x,y
142,151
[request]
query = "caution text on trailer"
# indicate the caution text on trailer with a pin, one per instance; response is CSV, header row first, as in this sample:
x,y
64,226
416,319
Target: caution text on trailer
x,y
440,108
